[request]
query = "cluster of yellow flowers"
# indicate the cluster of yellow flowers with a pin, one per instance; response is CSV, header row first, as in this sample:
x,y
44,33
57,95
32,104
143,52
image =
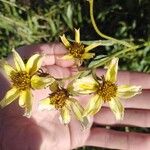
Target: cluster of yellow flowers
x,y
26,77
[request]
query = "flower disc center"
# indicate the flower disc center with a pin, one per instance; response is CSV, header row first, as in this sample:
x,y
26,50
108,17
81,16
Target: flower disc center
x,y
58,98
108,90
21,80
76,50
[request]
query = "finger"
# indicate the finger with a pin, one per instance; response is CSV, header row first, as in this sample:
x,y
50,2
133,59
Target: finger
x,y
140,101
133,117
132,78
50,49
118,140
56,59
57,71
62,62
52,53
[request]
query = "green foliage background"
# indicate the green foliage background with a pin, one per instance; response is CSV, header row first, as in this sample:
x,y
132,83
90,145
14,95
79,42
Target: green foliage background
x,y
25,22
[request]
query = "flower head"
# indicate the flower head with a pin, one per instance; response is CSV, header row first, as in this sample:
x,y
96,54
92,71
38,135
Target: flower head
x,y
62,100
23,78
77,50
106,90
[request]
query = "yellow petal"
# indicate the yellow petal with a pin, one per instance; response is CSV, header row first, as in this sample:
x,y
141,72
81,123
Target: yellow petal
x,y
8,69
78,111
117,108
41,82
65,115
91,46
88,55
127,91
68,57
22,102
20,66
111,74
85,85
27,98
77,35
10,96
64,40
93,106
33,64
77,108
45,104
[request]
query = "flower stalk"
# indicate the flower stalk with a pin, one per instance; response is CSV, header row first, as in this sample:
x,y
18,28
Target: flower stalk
x,y
100,33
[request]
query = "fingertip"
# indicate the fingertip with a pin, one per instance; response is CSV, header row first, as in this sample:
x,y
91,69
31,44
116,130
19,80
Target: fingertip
x,y
64,63
59,49
54,48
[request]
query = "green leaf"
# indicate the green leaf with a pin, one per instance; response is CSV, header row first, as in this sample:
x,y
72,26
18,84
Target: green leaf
x,y
99,62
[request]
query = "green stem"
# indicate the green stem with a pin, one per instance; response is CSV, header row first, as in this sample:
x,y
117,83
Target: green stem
x,y
100,33
117,54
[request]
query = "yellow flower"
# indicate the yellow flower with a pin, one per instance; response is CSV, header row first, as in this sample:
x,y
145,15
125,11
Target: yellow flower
x,y
23,78
106,90
76,50
62,100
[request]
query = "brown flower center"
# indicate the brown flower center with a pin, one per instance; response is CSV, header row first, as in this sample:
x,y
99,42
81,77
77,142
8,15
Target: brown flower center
x,y
107,90
76,50
58,98
21,80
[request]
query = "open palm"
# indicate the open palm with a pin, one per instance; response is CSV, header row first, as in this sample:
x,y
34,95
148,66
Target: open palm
x,y
43,131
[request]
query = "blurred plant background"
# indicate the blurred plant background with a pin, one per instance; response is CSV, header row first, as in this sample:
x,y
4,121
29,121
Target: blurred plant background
x,y
25,22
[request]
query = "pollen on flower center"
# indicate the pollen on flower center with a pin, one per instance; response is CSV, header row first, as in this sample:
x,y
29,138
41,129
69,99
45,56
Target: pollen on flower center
x,y
21,80
58,98
107,90
76,50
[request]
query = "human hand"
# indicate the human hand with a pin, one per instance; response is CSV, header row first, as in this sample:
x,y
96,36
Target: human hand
x,y
44,131
137,114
